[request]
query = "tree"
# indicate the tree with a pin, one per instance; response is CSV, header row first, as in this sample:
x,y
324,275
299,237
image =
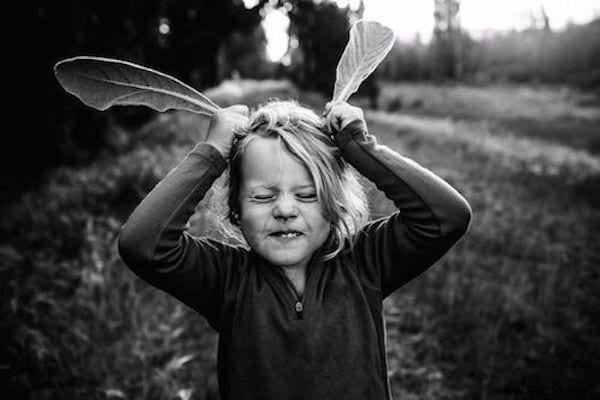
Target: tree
x,y
200,31
244,55
321,29
446,44
65,131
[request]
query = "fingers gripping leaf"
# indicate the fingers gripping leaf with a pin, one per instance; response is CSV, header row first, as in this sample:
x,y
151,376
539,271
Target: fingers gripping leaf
x,y
368,45
103,82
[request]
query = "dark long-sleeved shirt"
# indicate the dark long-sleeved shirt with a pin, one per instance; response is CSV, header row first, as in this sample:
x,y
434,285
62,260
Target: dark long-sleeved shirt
x,y
329,344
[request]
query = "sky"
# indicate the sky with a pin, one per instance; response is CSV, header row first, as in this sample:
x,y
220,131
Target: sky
x,y
411,17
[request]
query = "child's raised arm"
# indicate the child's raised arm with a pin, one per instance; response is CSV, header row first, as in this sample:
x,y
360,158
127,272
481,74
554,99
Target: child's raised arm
x,y
154,243
432,215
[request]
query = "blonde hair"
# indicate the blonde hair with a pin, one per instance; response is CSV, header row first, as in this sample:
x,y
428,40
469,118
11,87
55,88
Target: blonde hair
x,y
305,136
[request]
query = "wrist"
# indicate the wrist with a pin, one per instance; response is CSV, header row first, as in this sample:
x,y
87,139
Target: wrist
x,y
221,148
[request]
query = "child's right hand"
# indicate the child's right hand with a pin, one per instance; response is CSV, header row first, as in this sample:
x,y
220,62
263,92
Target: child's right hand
x,y
222,126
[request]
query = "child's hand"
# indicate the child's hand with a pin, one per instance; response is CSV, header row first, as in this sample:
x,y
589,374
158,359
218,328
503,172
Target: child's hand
x,y
222,126
339,115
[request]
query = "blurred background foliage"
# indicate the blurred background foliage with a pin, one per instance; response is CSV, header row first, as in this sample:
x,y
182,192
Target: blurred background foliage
x,y
203,42
511,120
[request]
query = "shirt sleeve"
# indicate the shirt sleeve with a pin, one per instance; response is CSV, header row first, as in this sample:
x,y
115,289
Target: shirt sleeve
x,y
432,216
155,245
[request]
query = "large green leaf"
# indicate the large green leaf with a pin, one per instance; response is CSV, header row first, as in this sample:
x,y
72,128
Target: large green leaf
x,y
103,82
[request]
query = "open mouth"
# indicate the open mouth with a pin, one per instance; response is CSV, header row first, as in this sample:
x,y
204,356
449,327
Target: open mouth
x,y
285,234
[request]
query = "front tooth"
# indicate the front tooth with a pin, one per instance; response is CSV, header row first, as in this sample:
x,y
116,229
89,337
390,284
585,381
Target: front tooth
x,y
288,235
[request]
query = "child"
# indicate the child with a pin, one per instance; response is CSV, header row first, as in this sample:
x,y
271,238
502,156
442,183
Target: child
x,y
299,313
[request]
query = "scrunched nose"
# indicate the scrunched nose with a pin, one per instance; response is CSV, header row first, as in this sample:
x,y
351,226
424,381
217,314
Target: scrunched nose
x,y
285,208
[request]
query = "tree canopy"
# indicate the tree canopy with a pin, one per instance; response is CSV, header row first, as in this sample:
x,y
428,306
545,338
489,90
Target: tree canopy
x,y
186,38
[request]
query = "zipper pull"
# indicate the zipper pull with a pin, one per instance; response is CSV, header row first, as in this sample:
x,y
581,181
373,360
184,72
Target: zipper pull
x,y
299,309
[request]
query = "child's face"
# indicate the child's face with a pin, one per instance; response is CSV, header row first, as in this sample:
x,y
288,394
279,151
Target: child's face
x,y
281,217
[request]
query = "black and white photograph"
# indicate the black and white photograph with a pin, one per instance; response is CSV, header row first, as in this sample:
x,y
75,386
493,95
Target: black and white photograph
x,y
301,200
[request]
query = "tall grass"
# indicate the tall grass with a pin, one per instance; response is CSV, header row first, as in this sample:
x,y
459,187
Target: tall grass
x,y
554,114
513,305
75,322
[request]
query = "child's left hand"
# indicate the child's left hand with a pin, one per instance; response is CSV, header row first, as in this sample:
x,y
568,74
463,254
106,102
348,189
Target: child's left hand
x,y
338,115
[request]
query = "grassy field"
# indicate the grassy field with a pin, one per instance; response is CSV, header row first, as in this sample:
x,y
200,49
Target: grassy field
x,y
513,305
510,311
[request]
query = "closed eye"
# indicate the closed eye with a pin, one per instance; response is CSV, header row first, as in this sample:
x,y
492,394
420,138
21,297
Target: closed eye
x,y
307,196
263,198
